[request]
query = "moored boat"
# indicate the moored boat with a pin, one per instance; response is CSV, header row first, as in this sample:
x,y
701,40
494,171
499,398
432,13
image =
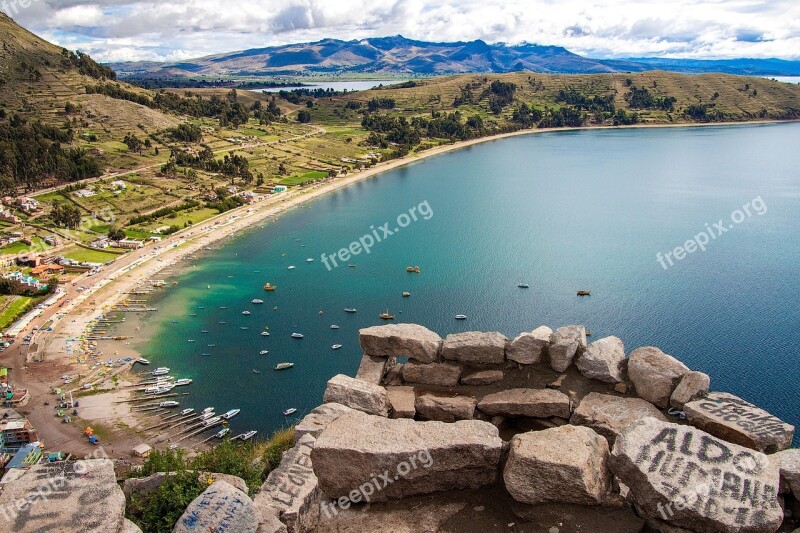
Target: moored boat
x,y
297,335
160,371
230,414
461,317
584,293
414,269
249,435
222,432
211,421
256,301
283,366
183,381
142,361
290,411
269,287
350,310
336,346
187,411
169,404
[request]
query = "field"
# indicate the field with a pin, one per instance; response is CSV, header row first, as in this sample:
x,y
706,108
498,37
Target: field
x,y
12,307
77,253
20,247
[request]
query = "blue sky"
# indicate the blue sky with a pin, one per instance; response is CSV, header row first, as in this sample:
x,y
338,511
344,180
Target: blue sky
x,y
124,30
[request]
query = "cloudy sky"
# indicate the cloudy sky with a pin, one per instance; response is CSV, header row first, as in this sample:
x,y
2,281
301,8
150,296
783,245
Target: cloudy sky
x,y
126,30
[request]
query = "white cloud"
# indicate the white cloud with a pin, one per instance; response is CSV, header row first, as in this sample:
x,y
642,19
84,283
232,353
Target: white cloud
x,y
132,30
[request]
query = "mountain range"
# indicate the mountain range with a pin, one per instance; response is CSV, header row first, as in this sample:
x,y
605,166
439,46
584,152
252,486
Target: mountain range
x,y
401,56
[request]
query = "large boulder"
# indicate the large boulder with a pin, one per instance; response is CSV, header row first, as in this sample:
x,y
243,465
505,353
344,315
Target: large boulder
x,y
439,374
655,374
318,419
364,458
533,403
693,386
357,394
64,497
401,340
789,462
445,408
475,349
372,369
611,415
603,360
735,420
566,465
529,348
401,402
565,343
222,507
292,489
689,478
482,377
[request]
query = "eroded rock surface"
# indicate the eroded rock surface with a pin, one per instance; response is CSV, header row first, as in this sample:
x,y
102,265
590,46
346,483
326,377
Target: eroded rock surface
x,y
534,403
357,394
655,374
221,507
475,348
565,343
401,340
611,415
603,360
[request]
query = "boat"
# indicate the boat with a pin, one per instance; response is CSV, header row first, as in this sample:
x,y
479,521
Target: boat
x,y
584,293
243,327
309,260
269,287
297,335
414,269
204,331
265,333
246,312
406,294
212,346
230,414
222,322
263,352
190,340
207,410
160,371
205,354
291,267
350,310
386,316
524,286
351,265
461,317
169,404
222,432
249,435
211,421
223,307
334,326
192,314
256,301
142,361
283,366
151,390
187,411
182,382
256,371
289,411
336,346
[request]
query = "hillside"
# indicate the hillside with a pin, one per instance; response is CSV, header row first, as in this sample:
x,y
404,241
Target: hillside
x,y
395,56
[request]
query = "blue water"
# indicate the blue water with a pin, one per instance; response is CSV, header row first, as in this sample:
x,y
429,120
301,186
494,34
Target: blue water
x,y
560,211
352,85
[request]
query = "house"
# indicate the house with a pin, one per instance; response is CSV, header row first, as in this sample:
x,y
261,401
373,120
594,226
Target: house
x,y
16,434
248,196
101,243
119,184
154,238
84,193
279,188
130,244
142,450
28,205
8,216
26,457
232,189
52,240
29,260
43,270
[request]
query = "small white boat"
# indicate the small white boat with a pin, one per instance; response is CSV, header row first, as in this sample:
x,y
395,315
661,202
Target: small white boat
x,y
230,414
309,260
334,326
256,371
222,432
249,435
292,267
208,410
524,286
160,371
263,352
246,312
142,361
256,301
283,366
206,416
350,310
243,327
187,411
151,390
161,380
173,446
461,317
169,404
211,421
265,333
190,340
183,381
297,335
336,346
290,411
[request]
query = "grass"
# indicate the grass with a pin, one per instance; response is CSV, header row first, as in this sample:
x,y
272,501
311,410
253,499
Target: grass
x,y
314,175
13,307
76,253
20,247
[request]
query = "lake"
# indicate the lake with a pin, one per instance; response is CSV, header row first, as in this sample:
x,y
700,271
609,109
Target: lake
x,y
560,211
353,85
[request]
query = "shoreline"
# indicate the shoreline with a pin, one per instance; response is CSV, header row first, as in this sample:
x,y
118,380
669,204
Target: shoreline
x,y
112,284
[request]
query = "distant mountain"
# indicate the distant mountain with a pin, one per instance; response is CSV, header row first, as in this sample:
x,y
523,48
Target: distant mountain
x,y
398,56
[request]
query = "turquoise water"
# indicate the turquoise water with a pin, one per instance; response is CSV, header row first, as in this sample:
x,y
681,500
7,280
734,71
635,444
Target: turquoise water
x,y
559,211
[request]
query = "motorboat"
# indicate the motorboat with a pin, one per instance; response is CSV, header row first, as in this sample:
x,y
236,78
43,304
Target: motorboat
x,y
263,352
290,411
142,361
524,286
169,404
256,371
187,411
406,294
336,346
249,435
414,269
211,421
256,301
461,317
182,382
207,410
584,293
222,432
386,316
265,333
269,287
160,371
230,414
297,335
291,267
350,310
246,312
309,260
283,366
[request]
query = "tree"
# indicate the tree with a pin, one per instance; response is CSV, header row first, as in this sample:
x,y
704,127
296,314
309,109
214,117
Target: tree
x,y
52,284
304,116
116,234
134,144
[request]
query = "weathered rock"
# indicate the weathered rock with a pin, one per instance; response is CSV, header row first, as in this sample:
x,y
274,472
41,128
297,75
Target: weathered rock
x,y
789,464
222,507
688,478
445,409
357,394
318,419
441,374
529,348
557,383
610,415
129,527
64,497
535,403
475,349
372,369
207,478
621,388
269,519
292,489
567,465
394,375
565,343
419,457
731,418
603,360
401,340
401,402
694,385
482,377
141,486
655,374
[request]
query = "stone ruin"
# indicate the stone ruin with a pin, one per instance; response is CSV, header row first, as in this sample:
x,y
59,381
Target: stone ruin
x,y
558,430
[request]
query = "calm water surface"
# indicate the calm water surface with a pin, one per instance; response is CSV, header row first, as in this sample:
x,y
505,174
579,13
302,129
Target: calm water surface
x,y
560,211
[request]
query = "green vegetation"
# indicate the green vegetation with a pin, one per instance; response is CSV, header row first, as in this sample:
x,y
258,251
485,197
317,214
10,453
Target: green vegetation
x,y
20,247
13,307
85,255
302,179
